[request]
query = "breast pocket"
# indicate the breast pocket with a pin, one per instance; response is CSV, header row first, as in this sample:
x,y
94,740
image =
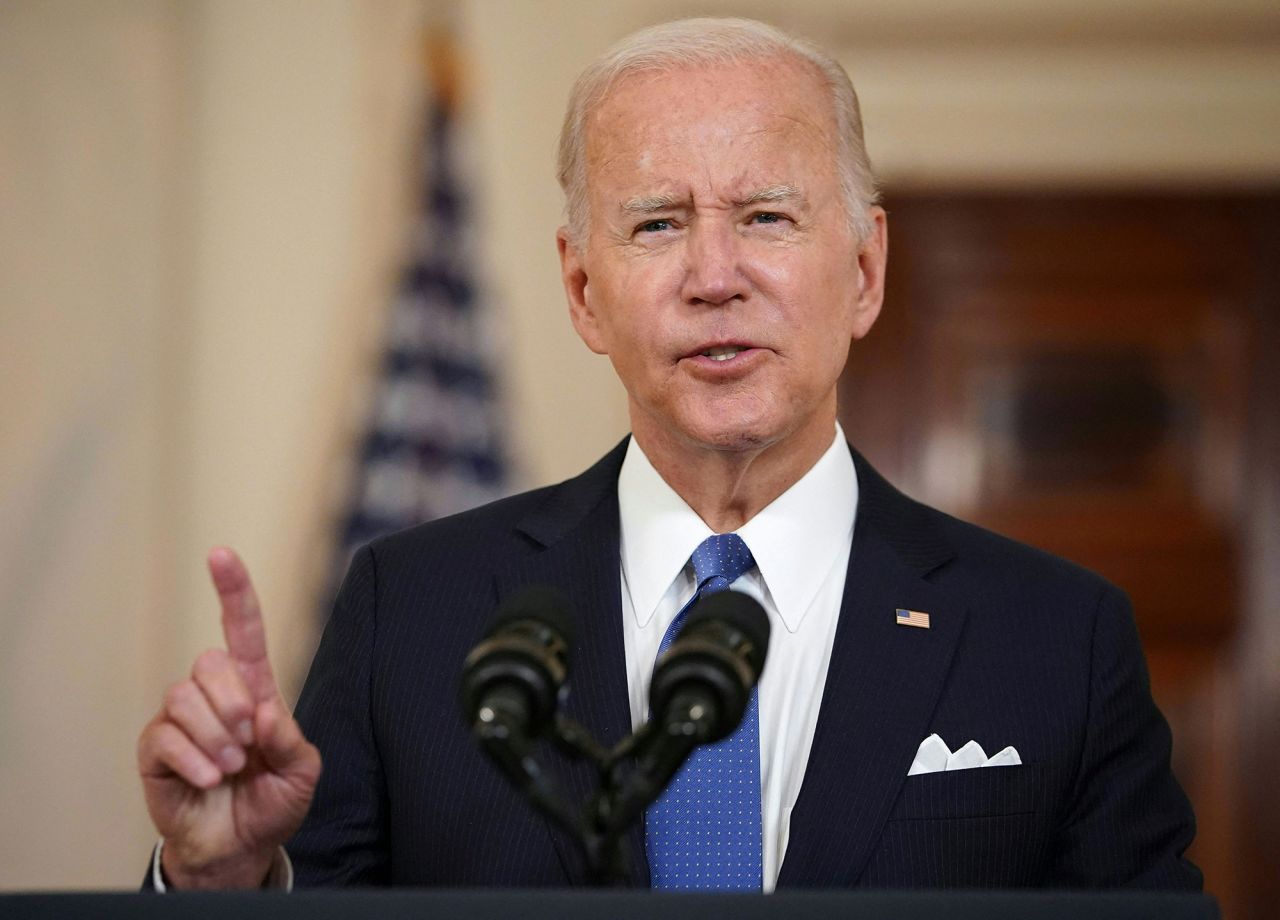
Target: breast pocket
x,y
988,827
979,792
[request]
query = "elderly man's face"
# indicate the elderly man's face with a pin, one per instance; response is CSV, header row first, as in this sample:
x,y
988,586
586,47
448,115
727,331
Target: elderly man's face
x,y
720,274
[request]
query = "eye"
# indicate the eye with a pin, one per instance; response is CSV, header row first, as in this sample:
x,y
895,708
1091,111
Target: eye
x,y
767,217
654,226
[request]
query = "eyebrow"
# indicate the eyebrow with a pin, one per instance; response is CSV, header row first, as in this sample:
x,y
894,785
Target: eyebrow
x,y
770,193
652,203
648,204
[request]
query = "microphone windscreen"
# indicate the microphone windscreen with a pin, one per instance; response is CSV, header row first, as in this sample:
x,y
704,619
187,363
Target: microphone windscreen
x,y
541,603
741,611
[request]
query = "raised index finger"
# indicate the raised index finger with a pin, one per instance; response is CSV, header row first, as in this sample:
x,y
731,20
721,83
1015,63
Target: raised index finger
x,y
242,622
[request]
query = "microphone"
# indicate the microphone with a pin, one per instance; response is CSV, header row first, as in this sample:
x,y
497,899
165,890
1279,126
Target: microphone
x,y
702,684
699,693
514,676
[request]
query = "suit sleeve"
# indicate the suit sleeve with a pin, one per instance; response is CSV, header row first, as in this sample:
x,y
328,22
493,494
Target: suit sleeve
x,y
1128,822
343,840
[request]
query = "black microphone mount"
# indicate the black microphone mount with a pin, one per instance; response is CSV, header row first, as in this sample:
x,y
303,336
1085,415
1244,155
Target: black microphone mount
x,y
514,679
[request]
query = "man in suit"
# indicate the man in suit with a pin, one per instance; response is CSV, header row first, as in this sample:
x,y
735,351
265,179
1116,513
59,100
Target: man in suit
x,y
723,248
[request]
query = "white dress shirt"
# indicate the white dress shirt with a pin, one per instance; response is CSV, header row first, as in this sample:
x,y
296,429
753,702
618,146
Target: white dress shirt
x,y
801,544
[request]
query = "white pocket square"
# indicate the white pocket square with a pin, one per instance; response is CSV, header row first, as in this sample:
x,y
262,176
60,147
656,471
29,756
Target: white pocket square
x,y
934,757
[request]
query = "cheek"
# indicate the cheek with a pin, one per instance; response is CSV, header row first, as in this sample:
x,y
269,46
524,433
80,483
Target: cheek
x,y
839,285
801,275
635,304
814,300
773,273
823,313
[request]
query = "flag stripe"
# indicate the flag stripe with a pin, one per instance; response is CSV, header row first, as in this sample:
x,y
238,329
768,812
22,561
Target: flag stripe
x,y
912,618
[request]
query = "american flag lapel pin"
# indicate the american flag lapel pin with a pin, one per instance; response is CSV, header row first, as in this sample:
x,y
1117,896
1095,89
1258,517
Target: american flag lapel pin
x,y
913,618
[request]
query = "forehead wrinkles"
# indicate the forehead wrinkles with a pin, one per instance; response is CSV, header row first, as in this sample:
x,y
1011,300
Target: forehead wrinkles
x,y
756,147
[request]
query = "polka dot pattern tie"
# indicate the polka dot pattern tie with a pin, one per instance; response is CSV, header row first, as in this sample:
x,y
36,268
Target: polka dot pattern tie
x,y
704,831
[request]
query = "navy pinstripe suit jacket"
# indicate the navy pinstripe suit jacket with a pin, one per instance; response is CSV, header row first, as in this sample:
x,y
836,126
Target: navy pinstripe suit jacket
x,y
1023,649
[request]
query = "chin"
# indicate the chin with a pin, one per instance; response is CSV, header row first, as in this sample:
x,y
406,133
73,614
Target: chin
x,y
733,436
729,425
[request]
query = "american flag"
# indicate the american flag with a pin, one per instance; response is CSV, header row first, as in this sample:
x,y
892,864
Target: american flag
x,y
913,618
435,439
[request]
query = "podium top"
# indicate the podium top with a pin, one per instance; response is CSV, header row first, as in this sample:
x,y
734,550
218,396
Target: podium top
x,y
341,904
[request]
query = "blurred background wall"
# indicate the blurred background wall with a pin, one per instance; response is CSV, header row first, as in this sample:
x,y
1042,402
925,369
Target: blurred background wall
x,y
203,207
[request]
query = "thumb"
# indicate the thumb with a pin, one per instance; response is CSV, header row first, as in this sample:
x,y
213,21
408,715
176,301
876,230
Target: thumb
x,y
283,747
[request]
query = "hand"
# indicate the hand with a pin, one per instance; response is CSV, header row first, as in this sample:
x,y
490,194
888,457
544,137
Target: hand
x,y
226,771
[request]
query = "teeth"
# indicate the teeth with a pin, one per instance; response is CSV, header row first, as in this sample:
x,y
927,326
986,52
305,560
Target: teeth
x,y
723,352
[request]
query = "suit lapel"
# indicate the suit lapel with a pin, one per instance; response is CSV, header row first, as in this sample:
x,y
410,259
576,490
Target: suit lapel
x,y
576,540
882,686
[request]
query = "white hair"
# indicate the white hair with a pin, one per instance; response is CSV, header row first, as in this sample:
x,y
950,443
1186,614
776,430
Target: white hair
x,y
703,42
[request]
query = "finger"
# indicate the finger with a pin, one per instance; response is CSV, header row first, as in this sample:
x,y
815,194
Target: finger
x,y
242,622
164,750
223,686
186,706
283,746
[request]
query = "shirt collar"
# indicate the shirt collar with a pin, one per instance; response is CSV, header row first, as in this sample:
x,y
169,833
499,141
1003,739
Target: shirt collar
x,y
659,532
795,539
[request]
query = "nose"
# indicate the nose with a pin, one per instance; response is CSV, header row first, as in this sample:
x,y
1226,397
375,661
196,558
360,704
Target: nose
x,y
713,264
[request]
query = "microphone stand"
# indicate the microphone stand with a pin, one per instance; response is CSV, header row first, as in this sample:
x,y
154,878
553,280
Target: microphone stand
x,y
654,753
502,737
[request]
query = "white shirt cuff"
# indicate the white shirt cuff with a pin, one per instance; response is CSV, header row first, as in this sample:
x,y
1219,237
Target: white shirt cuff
x,y
280,878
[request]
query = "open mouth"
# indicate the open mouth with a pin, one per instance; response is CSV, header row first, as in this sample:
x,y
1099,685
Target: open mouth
x,y
723,352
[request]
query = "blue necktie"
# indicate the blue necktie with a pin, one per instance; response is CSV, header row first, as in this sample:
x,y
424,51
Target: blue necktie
x,y
704,831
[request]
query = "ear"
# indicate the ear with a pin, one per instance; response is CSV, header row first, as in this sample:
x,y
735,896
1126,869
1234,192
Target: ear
x,y
873,255
577,289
